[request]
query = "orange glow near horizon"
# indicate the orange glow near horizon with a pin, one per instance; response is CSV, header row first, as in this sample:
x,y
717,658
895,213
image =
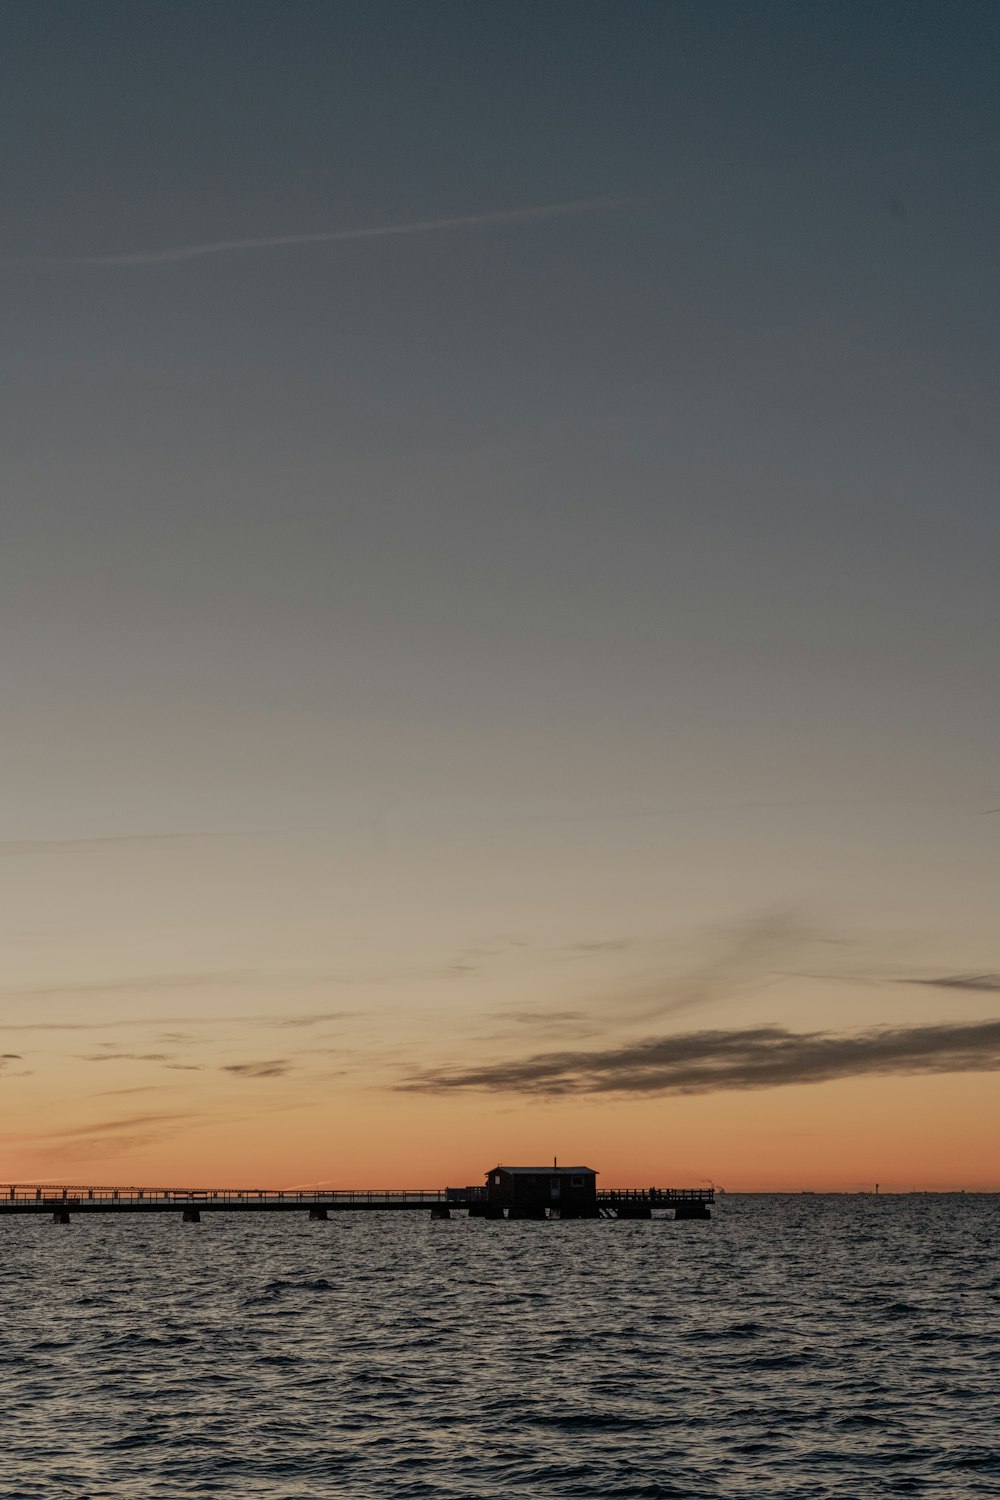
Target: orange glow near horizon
x,y
901,1133
290,1054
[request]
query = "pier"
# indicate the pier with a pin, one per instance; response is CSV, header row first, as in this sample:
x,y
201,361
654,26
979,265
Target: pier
x,y
189,1204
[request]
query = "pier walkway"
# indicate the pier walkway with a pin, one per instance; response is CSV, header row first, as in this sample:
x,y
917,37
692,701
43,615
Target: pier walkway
x,y
319,1203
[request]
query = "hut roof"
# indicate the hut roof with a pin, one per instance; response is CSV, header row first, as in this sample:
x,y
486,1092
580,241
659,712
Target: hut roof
x,y
547,1171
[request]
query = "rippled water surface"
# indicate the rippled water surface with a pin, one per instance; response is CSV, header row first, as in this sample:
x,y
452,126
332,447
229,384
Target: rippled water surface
x,y
804,1346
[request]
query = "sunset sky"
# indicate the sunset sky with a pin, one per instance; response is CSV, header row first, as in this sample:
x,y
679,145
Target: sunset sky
x,y
499,555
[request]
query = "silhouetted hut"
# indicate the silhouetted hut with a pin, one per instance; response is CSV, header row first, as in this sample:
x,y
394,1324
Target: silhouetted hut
x,y
567,1192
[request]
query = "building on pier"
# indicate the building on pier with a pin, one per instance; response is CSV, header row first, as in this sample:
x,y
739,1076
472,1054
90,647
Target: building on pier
x,y
567,1192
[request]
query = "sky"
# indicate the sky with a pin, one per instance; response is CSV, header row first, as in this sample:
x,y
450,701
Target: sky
x,y
499,534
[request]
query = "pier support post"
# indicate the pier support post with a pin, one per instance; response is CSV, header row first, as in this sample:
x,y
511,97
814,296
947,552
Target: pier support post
x,y
695,1210
634,1211
318,1213
527,1211
440,1211
60,1216
191,1216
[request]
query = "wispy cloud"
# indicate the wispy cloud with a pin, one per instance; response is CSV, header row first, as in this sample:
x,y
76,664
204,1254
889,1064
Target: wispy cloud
x,y
144,1088
982,984
543,1017
102,1128
270,1068
311,1018
71,1025
100,1057
133,984
708,1061
504,1027
600,945
752,954
150,1023
175,253
105,842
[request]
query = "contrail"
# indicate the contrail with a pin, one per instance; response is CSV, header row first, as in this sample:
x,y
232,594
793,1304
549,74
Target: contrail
x,y
335,236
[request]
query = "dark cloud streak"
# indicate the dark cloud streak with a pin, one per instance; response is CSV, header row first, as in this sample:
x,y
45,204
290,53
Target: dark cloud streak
x,y
703,1062
981,984
272,1068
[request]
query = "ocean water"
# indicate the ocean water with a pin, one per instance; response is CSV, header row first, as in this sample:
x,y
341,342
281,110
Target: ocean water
x,y
797,1346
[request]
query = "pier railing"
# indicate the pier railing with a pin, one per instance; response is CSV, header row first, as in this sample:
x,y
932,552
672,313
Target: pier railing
x,y
655,1195
51,1196
60,1198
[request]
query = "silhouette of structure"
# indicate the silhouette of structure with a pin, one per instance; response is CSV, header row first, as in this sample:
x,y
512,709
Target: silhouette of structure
x,y
510,1192
540,1192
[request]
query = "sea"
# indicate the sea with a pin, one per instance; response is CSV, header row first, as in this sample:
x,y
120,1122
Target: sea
x,y
794,1346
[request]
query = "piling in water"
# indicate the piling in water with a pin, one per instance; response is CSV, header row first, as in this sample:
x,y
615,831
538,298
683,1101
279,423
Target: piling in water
x,y
692,1210
482,1210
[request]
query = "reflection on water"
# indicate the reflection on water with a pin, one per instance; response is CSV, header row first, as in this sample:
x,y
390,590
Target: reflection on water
x,y
804,1346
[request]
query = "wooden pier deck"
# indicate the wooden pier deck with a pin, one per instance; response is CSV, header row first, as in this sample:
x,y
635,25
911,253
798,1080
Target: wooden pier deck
x,y
59,1201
